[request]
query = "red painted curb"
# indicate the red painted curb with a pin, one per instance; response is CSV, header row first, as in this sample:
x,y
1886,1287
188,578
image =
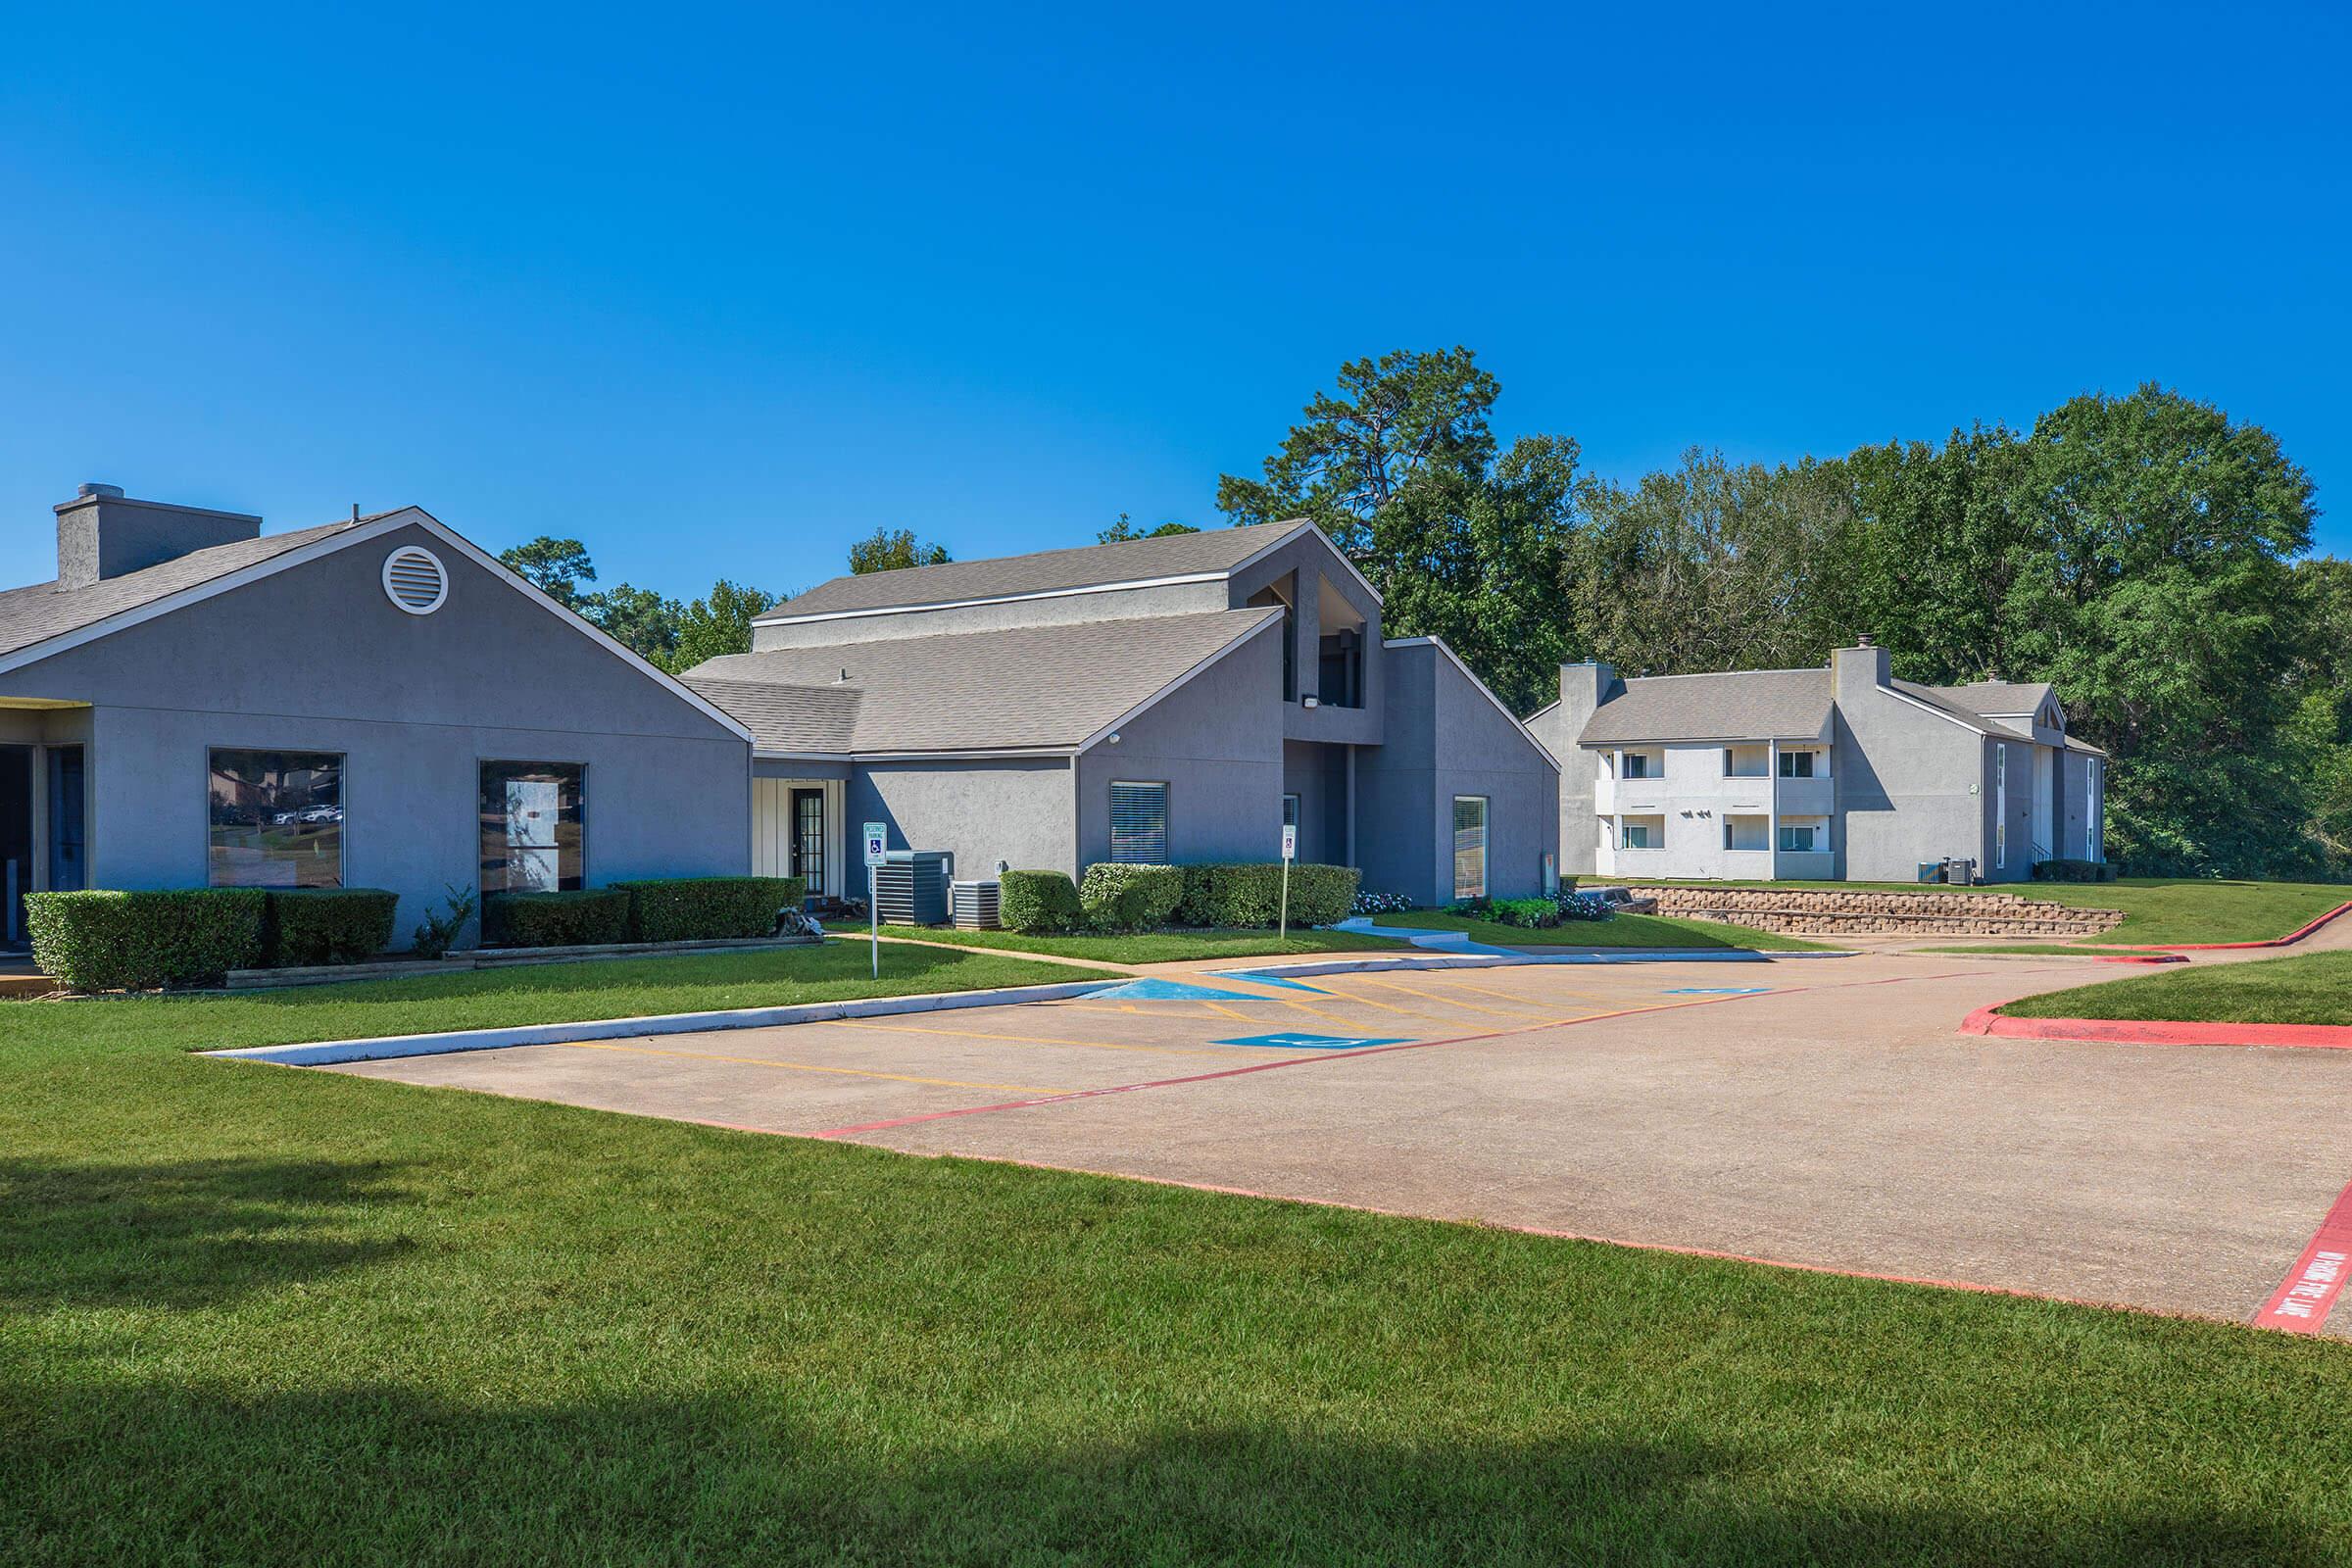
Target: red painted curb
x,y
2138,1032
2288,940
2301,1303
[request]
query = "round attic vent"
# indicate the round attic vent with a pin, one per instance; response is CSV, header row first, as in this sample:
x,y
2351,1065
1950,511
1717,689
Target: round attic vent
x,y
415,580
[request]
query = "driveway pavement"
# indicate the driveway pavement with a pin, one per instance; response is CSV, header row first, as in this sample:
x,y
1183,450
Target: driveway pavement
x,y
1814,1112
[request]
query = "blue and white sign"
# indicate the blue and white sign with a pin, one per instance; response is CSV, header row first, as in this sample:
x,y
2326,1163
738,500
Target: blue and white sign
x,y
877,842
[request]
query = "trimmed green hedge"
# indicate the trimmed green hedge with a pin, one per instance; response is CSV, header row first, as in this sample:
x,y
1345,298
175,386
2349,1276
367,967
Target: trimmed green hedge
x,y
1039,903
708,909
1252,895
107,941
1118,895
326,925
583,918
2072,871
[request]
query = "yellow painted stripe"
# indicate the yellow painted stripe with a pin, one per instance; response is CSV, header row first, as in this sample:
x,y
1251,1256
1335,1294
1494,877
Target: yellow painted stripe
x,y
803,1066
1445,1000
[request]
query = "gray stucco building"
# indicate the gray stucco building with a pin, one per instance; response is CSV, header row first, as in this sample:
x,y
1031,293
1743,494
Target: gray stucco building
x,y
375,702
1171,698
1835,773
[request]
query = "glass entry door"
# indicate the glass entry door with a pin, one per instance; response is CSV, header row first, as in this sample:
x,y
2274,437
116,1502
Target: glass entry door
x,y
808,838
16,840
69,855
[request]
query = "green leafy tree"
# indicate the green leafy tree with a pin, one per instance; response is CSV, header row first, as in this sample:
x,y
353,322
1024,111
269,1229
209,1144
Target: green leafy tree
x,y
1401,467
1708,565
638,618
1392,420
1125,530
555,567
894,550
719,623
2153,583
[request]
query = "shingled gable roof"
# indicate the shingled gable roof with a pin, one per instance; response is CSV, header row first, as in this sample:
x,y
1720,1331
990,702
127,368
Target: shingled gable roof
x,y
1747,704
1049,689
1997,699
1211,554
42,620
41,611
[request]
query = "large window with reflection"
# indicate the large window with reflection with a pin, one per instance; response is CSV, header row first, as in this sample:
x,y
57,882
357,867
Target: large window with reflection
x,y
534,827
275,819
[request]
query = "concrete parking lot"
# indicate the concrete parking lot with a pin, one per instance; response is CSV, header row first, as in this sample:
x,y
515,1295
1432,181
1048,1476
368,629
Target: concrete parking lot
x,y
1821,1113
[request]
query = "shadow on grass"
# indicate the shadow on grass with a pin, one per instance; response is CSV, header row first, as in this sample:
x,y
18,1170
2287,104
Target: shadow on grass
x,y
384,1475
187,1234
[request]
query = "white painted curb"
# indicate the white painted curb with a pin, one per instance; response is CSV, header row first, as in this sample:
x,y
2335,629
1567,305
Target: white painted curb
x,y
331,1052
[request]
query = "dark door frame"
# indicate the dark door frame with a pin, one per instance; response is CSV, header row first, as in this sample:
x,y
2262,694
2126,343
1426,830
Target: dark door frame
x,y
797,860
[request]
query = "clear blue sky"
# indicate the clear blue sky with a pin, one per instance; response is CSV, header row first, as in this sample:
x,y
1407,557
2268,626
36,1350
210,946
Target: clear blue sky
x,y
719,291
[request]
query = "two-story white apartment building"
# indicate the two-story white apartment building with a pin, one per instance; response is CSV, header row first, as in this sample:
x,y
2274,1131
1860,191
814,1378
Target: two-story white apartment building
x,y
1835,773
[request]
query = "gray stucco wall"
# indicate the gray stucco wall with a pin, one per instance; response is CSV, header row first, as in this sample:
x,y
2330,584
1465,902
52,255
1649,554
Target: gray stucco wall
x,y
1216,741
1304,563
1909,782
1445,739
316,659
1015,810
1318,775
1583,688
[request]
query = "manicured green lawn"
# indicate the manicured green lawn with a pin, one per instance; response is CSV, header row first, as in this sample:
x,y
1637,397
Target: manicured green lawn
x,y
1617,931
1152,947
2316,987
2157,909
558,992
258,1315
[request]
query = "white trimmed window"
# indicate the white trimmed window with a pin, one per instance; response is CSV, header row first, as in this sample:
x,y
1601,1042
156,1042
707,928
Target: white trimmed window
x,y
1138,824
1801,838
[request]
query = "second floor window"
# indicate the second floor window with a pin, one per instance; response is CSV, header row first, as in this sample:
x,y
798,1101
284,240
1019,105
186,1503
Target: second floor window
x,y
1636,764
1796,764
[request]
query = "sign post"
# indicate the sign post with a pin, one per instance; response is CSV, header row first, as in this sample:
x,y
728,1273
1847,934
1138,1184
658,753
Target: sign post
x,y
877,851
1290,853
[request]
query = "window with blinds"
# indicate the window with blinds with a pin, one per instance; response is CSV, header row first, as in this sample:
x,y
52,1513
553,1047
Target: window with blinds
x,y
1138,824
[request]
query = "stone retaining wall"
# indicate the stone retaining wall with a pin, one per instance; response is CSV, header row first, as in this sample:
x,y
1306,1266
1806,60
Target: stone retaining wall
x,y
1807,911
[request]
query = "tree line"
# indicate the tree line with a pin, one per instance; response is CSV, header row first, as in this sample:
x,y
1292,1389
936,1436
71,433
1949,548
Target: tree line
x,y
2146,554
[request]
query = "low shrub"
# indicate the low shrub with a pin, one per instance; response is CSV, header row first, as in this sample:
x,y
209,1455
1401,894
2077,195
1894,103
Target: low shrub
x,y
587,916
1533,914
1584,906
2073,872
1039,903
1381,903
708,909
303,926
439,930
1252,895
105,941
1120,897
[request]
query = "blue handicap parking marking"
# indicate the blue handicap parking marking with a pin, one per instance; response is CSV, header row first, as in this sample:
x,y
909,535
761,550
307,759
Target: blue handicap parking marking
x,y
1308,1042
1716,990
1269,980
1168,991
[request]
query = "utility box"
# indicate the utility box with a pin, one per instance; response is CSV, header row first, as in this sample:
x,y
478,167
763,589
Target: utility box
x,y
1960,874
911,887
973,905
